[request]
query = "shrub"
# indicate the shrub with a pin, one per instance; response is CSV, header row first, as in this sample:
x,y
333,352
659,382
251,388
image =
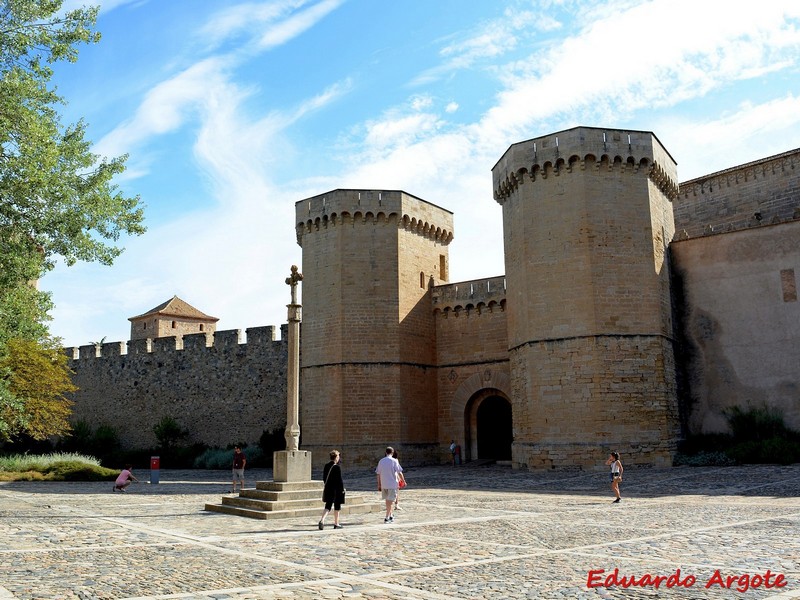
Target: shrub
x,y
214,458
755,423
775,450
758,436
168,433
270,442
54,467
79,438
218,458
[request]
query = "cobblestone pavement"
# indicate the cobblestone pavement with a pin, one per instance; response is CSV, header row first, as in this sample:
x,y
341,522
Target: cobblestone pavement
x,y
463,532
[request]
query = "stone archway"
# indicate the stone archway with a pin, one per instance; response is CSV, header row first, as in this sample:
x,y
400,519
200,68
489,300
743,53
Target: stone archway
x,y
489,431
468,398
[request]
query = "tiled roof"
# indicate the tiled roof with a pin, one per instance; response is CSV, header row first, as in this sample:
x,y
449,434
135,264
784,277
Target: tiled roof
x,y
175,307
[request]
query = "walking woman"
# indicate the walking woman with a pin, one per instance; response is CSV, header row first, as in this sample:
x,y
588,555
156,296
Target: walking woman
x,y
616,473
333,492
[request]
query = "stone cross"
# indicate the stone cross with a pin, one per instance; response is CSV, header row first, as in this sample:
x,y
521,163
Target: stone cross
x,y
293,280
292,432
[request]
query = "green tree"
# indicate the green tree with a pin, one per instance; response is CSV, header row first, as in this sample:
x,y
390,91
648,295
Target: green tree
x,y
40,379
169,433
57,199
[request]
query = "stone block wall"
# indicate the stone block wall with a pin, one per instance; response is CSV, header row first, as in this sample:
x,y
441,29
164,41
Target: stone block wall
x,y
367,376
593,396
741,323
762,192
471,356
587,219
221,390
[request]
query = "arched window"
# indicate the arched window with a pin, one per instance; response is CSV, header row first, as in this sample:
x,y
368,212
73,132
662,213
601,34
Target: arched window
x,y
174,324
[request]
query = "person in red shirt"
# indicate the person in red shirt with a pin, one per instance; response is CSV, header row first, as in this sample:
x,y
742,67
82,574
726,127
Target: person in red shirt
x,y
239,461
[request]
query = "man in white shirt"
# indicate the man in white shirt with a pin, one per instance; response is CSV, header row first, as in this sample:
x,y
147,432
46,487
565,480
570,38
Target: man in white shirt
x,y
387,473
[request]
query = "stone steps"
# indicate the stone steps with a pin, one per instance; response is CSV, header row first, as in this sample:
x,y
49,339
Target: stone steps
x,y
276,500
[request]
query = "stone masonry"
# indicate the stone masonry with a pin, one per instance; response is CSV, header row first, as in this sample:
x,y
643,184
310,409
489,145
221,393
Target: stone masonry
x,y
632,311
221,390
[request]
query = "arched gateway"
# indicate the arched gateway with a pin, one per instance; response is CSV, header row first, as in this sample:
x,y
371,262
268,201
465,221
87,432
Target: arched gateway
x,y
483,405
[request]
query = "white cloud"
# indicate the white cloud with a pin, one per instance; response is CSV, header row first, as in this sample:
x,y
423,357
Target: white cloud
x,y
747,133
230,260
297,24
622,61
167,106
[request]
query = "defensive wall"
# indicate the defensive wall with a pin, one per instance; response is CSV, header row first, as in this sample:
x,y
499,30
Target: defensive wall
x,y
735,265
221,390
471,356
627,298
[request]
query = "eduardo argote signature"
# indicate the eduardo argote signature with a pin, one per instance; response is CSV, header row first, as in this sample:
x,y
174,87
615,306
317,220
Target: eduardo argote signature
x,y
741,582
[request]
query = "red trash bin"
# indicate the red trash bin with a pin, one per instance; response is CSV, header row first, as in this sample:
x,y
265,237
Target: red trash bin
x,y
155,466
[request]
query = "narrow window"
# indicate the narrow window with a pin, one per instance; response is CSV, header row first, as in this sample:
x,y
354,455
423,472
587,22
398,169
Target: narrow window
x,y
201,327
788,285
442,267
422,279
173,324
144,325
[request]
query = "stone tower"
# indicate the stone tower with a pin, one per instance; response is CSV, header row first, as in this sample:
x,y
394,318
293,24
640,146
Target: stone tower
x,y
587,217
174,317
367,375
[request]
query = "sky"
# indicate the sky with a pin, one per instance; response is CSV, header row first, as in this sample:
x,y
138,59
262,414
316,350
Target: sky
x,y
230,112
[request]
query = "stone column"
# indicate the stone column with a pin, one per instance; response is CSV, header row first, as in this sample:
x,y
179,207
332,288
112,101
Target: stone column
x,y
293,464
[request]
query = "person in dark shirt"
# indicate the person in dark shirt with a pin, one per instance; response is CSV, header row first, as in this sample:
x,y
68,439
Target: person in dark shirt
x,y
239,461
333,491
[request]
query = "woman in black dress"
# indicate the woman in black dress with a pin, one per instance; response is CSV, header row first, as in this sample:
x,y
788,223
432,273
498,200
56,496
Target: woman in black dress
x,y
333,492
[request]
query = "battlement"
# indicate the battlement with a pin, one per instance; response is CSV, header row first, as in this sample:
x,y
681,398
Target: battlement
x,y
257,338
373,206
585,148
762,192
477,293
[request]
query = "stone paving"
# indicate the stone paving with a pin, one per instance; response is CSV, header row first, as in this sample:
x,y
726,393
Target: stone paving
x,y
463,532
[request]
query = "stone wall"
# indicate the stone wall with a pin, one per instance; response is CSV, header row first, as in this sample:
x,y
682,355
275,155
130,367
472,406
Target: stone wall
x,y
221,390
736,260
741,322
762,192
367,372
586,220
471,355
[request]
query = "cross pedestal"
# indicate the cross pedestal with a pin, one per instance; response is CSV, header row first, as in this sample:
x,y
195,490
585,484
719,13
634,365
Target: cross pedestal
x,y
291,465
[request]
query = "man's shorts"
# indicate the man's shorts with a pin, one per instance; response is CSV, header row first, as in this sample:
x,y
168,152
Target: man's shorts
x,y
389,494
238,474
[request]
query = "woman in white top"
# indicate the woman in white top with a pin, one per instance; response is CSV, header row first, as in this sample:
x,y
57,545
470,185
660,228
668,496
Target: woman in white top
x,y
616,473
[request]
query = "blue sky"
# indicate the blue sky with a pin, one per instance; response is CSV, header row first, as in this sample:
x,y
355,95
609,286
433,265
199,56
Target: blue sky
x,y
233,111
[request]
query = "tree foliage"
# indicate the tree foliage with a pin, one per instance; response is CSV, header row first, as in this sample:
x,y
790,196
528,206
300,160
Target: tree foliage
x,y
40,379
57,198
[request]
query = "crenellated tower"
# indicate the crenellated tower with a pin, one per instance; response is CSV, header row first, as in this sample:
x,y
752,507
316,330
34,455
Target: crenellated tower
x,y
367,374
587,219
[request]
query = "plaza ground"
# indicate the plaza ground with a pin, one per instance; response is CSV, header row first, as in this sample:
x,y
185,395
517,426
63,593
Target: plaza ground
x,y
462,532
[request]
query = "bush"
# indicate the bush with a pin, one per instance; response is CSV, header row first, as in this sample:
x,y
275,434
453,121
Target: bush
x,y
169,433
214,458
759,436
775,450
218,458
102,442
270,442
54,467
755,423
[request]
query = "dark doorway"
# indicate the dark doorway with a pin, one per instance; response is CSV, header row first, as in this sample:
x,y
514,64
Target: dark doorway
x,y
494,428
